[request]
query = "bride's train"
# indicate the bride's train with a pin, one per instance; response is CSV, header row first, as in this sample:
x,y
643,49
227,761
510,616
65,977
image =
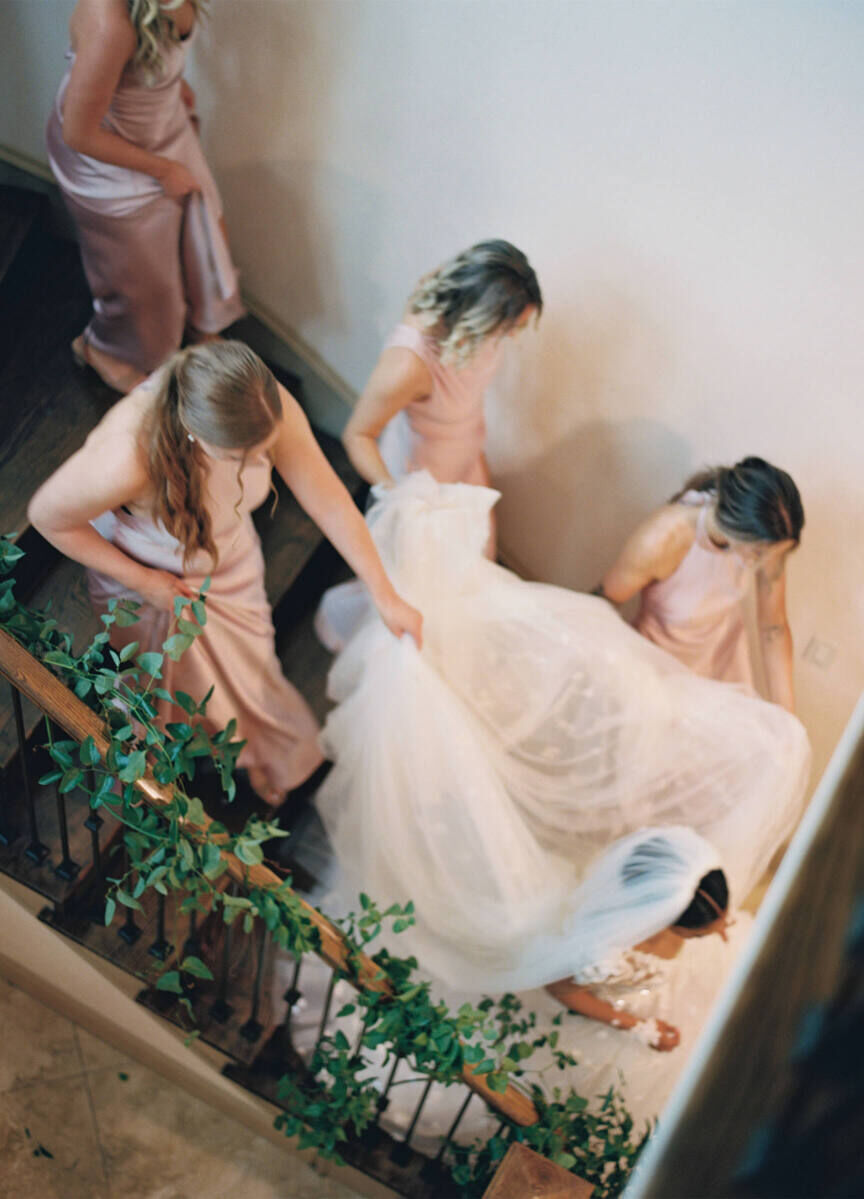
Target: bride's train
x,y
480,777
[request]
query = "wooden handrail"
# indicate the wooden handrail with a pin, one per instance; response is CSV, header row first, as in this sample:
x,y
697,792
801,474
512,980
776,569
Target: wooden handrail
x,y
54,698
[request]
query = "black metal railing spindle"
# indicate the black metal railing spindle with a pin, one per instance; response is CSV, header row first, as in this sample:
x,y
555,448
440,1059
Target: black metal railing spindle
x,y
192,944
65,868
161,946
8,832
129,930
325,1012
35,851
221,1009
401,1153
292,995
253,1028
451,1131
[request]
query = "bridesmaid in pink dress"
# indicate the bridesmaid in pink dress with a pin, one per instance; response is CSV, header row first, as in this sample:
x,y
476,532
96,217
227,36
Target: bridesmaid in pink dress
x,y
693,561
422,408
160,496
123,145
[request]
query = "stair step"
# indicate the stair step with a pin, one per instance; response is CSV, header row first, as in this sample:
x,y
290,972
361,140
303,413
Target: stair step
x,y
19,209
47,406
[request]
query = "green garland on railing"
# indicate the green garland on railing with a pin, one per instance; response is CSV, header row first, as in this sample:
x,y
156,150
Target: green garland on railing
x,y
495,1037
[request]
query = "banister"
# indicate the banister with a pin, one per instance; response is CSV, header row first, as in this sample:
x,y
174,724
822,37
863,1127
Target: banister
x,y
65,709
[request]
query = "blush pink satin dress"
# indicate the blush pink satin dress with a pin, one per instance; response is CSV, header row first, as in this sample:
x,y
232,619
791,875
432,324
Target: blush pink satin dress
x,y
697,614
445,432
154,264
236,653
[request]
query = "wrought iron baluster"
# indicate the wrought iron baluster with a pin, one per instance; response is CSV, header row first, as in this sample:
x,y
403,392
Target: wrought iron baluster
x,y
129,930
253,1029
451,1131
35,851
65,868
161,946
8,832
402,1151
326,1010
221,1008
94,823
192,944
292,995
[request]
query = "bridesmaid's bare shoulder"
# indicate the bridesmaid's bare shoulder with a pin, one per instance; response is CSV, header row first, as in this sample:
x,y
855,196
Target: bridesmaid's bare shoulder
x,y
121,435
105,20
665,538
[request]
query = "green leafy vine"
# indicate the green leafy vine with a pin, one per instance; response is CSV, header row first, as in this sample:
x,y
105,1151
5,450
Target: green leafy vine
x,y
338,1095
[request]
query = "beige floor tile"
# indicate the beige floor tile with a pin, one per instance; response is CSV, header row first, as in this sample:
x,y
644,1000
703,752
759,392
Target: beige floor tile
x,y
161,1143
35,1043
49,1118
99,1055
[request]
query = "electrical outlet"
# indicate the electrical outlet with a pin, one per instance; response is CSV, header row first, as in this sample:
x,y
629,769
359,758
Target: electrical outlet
x,y
820,653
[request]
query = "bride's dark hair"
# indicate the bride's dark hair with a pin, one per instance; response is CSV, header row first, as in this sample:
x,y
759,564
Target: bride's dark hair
x,y
755,501
710,901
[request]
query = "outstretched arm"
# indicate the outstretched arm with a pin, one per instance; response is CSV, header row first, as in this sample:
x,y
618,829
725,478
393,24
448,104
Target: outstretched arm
x,y
107,472
775,636
584,1002
652,552
302,464
398,379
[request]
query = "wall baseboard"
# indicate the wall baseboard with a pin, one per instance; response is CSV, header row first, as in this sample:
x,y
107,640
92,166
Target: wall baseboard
x,y
24,162
301,348
267,317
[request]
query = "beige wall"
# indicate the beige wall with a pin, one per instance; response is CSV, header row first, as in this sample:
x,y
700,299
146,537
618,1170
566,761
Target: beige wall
x,y
687,179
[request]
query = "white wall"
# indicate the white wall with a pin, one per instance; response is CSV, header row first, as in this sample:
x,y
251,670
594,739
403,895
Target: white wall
x,y
688,181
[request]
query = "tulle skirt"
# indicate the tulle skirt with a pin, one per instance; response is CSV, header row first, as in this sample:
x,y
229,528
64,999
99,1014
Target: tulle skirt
x,y
480,777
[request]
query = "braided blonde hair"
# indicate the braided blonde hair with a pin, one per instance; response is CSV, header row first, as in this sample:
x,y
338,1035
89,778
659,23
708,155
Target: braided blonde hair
x,y
481,291
155,30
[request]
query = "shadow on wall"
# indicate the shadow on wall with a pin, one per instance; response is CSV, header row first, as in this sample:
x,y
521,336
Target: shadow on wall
x,y
281,194
576,460
585,495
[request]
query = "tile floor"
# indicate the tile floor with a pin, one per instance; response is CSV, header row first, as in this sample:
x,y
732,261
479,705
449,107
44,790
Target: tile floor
x,y
80,1120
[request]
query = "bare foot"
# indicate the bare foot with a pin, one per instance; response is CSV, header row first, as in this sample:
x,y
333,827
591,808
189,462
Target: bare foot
x,y
261,785
667,1037
119,375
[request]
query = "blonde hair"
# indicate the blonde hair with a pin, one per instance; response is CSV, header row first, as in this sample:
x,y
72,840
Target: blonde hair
x,y
221,393
154,30
481,291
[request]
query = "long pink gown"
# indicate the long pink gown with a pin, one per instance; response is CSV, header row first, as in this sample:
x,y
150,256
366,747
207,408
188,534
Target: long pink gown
x,y
444,434
236,652
153,263
697,613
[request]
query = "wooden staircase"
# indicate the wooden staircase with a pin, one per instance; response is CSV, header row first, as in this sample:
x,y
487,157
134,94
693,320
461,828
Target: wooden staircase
x,y
54,844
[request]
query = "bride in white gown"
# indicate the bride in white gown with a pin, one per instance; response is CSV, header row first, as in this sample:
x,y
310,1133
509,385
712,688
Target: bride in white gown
x,y
483,776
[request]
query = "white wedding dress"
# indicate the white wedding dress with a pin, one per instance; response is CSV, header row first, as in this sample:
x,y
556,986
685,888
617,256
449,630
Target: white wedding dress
x,y
480,777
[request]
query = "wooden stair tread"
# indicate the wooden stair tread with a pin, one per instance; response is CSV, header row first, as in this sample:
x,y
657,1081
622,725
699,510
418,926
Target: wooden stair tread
x,y
63,593
19,209
47,406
